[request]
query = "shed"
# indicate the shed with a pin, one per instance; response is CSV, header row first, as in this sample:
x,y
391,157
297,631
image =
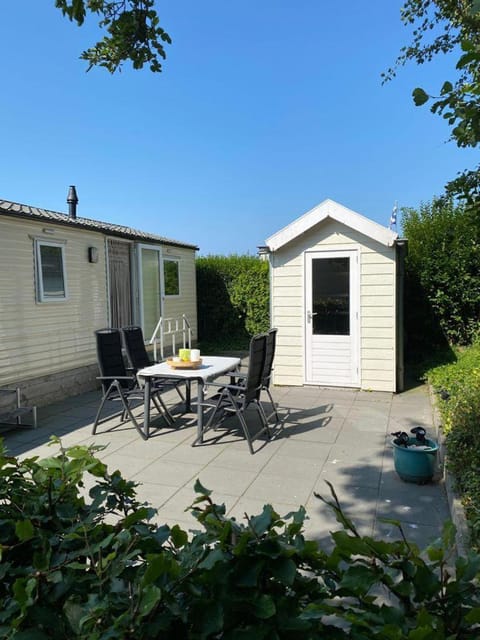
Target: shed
x,y
337,301
63,276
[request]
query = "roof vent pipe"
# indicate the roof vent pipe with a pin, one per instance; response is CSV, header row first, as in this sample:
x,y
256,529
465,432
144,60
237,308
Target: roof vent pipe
x,y
72,200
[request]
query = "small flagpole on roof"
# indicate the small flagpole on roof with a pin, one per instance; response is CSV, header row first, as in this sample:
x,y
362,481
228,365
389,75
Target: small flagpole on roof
x,y
393,217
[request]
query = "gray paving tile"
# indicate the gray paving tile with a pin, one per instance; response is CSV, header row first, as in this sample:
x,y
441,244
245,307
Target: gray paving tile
x,y
299,467
242,459
342,435
169,472
350,475
280,488
230,482
306,450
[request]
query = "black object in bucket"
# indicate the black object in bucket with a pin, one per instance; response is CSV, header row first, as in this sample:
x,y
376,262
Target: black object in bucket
x,y
414,457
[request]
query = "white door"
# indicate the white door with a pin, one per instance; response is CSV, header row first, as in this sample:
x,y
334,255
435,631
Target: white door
x,y
332,318
150,288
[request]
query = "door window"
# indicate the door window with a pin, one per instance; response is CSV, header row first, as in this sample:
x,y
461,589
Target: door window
x,y
331,296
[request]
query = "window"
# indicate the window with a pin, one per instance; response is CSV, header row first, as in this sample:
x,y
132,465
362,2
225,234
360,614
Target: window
x,y
50,264
171,277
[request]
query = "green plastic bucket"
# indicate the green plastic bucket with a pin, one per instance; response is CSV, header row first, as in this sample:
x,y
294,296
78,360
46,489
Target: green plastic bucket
x,y
415,464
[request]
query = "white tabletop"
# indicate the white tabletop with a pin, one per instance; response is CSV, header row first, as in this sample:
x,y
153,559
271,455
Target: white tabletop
x,y
211,367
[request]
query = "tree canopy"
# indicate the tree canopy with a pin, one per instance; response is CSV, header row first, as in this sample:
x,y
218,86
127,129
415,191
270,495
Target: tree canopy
x,y
449,27
133,32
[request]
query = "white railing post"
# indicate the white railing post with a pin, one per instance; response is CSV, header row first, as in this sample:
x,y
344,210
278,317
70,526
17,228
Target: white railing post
x,y
170,326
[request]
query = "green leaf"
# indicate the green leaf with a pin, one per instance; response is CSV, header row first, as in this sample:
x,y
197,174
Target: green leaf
x,y
217,555
199,488
151,596
24,530
179,536
261,523
447,88
264,607
358,579
284,570
473,616
419,96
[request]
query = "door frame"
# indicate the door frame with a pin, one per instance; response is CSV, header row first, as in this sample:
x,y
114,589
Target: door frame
x,y
338,252
158,248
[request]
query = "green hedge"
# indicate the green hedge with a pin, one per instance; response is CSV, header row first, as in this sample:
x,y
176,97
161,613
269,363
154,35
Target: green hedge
x,y
460,412
233,295
442,273
93,566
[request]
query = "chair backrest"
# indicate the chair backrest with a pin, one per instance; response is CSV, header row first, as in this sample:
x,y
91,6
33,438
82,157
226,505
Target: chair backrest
x,y
109,355
253,382
135,347
269,355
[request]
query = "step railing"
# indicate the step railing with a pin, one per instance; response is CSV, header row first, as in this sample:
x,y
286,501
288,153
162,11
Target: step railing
x,y
172,332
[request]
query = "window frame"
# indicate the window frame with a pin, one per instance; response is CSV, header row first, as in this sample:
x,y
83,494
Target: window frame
x,y
41,295
177,262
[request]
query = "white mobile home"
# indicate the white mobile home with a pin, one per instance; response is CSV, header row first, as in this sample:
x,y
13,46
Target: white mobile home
x,y
337,301
62,277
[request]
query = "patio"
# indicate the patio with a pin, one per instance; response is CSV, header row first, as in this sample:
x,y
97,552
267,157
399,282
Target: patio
x,y
340,435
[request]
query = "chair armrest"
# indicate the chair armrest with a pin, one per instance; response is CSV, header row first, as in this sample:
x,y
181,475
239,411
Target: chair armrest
x,y
115,377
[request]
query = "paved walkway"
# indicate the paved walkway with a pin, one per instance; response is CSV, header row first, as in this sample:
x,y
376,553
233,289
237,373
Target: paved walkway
x,y
328,434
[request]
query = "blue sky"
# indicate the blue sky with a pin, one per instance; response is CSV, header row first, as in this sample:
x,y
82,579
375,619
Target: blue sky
x,y
264,109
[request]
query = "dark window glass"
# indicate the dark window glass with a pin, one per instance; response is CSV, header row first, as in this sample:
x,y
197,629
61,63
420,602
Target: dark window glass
x,y
331,296
171,276
53,283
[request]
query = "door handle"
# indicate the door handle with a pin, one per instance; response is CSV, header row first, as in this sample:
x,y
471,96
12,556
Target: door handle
x,y
310,315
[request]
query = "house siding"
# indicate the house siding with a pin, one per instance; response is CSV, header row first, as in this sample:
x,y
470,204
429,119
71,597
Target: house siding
x,y
377,304
43,338
48,348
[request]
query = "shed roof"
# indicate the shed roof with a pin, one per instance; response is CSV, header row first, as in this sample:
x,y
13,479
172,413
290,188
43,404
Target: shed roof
x,y
335,211
35,213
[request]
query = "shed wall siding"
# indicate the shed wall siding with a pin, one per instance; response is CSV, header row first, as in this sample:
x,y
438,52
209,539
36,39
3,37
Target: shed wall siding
x,y
37,339
377,305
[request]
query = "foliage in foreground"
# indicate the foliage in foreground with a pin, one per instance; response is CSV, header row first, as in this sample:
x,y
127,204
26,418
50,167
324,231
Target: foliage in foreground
x,y
442,275
233,298
97,567
449,27
131,29
460,413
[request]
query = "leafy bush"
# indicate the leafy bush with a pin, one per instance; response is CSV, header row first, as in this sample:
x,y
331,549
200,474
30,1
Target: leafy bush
x,y
442,270
460,411
233,295
95,567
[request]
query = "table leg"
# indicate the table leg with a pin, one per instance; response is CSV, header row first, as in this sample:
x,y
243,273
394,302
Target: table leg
x,y
200,398
188,395
146,408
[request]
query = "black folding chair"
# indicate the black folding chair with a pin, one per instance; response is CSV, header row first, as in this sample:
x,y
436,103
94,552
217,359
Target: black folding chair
x,y
267,369
139,358
234,399
117,384
271,338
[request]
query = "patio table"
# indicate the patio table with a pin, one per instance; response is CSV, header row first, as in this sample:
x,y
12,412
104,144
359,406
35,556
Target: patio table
x,y
212,367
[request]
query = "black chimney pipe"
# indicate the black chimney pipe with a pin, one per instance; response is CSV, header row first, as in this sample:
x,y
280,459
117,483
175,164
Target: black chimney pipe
x,y
72,200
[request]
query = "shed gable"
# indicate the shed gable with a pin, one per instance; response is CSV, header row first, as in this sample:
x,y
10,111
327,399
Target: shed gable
x,y
329,209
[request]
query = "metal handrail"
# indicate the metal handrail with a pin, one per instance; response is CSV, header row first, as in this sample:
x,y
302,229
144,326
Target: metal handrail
x,y
170,327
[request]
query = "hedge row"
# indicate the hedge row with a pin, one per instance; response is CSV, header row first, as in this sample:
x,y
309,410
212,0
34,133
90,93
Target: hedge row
x,y
233,297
